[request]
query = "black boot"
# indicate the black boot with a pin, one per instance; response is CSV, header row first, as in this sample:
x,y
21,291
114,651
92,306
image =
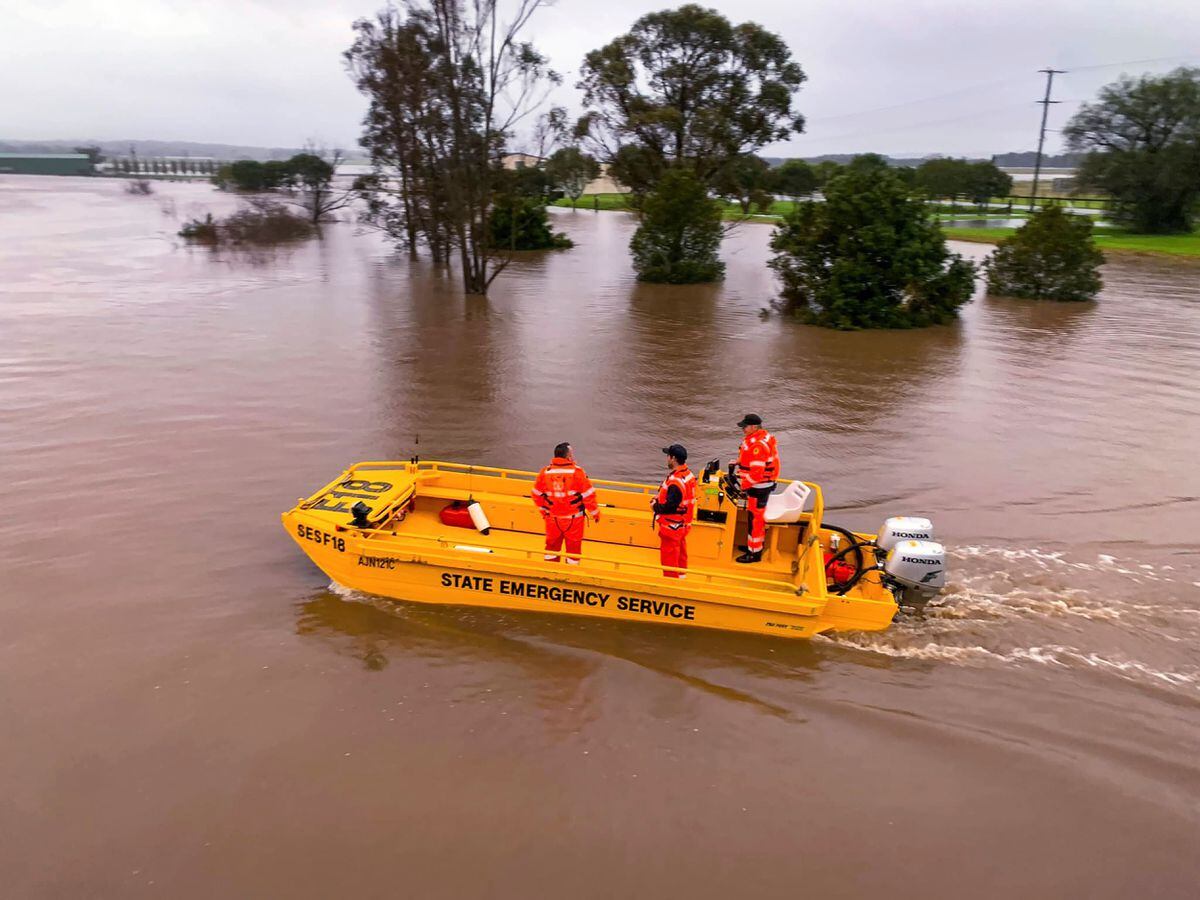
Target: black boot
x,y
749,557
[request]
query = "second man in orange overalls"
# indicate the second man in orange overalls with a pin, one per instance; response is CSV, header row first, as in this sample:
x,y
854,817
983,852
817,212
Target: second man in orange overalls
x,y
674,509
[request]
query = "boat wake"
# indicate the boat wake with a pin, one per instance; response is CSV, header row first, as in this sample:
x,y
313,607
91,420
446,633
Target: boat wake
x,y
1042,607
1031,607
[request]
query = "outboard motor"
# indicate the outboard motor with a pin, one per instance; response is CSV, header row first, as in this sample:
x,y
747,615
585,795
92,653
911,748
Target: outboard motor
x,y
915,569
903,528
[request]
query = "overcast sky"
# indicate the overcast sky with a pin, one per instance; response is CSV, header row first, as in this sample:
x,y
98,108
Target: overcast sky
x,y
269,72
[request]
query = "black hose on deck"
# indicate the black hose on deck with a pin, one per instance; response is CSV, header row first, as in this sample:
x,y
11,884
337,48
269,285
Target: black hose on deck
x,y
860,565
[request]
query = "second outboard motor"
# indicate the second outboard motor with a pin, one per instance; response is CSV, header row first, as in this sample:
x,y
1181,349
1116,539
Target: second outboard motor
x,y
916,570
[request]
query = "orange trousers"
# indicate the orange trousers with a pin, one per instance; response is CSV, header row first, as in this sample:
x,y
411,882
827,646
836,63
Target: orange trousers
x,y
560,529
672,548
756,505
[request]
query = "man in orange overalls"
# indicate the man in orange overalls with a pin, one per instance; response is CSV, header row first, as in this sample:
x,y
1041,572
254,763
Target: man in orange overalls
x,y
757,468
674,508
564,496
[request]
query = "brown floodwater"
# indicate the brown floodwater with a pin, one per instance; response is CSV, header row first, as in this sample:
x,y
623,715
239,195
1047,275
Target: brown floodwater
x,y
191,710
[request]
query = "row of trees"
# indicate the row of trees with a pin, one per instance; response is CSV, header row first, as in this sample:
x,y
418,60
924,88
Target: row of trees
x,y
134,165
978,182
752,183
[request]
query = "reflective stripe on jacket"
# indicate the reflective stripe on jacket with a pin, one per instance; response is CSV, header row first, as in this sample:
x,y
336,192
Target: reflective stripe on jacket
x,y
758,460
562,489
683,514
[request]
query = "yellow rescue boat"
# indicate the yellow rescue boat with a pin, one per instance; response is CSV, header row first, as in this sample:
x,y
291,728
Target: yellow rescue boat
x,y
378,528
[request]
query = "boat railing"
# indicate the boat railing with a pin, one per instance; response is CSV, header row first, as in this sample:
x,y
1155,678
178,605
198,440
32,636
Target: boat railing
x,y
586,563
817,515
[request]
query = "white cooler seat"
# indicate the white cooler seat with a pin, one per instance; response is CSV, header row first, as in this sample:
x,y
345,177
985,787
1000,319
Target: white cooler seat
x,y
786,506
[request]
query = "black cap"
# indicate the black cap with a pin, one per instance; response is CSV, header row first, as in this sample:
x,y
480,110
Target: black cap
x,y
678,451
750,419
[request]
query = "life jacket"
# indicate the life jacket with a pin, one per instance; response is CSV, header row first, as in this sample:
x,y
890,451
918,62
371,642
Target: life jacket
x,y
562,489
683,479
758,461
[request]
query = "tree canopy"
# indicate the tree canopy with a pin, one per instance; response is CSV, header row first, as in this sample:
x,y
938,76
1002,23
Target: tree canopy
x,y
1050,257
570,170
794,178
689,88
870,256
1143,135
746,181
251,175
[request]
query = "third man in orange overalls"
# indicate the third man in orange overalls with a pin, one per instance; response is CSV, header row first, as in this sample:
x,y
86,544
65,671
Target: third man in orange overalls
x,y
757,468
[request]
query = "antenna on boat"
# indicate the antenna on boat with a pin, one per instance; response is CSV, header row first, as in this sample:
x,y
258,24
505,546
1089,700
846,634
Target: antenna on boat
x,y
416,457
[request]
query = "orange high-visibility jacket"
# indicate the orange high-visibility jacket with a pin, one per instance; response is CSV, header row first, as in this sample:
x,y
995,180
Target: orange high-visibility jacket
x,y
685,511
758,461
563,489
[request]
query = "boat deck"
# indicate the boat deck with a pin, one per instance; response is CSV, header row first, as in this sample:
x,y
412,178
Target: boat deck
x,y
599,555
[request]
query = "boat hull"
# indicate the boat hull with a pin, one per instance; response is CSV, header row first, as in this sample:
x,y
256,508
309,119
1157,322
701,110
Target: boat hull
x,y
460,575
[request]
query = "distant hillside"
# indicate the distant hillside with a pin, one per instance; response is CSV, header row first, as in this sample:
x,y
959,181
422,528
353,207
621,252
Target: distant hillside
x,y
153,149
1023,158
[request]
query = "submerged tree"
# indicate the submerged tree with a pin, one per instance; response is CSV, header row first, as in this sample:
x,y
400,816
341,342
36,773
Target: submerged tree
x,y
1050,257
521,223
680,233
1144,135
870,256
447,81
311,181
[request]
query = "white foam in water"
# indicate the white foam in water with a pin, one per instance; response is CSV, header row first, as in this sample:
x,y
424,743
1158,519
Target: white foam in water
x,y
972,623
1051,655
1047,559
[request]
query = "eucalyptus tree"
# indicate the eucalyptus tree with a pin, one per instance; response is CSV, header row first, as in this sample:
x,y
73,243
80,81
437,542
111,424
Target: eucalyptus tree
x,y
447,82
686,89
690,88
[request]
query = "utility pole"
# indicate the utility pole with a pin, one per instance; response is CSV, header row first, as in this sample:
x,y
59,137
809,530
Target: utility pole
x,y
1046,101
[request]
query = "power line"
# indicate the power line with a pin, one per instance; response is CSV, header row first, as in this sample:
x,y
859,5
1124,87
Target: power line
x,y
1045,101
1133,62
969,89
977,114
983,85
